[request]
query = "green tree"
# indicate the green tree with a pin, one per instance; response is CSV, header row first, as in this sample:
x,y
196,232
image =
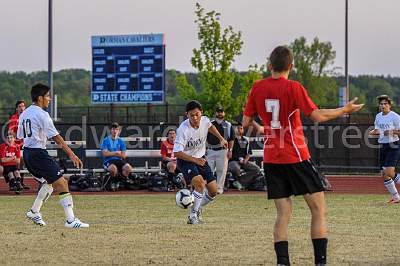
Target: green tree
x,y
213,60
311,62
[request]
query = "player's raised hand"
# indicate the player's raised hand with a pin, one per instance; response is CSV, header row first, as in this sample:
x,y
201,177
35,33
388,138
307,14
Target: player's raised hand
x,y
352,107
77,162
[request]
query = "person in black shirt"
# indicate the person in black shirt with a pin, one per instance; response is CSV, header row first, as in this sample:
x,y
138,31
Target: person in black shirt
x,y
240,159
218,156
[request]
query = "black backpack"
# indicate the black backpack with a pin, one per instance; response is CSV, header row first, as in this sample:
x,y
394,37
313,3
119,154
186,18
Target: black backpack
x,y
158,183
136,182
84,182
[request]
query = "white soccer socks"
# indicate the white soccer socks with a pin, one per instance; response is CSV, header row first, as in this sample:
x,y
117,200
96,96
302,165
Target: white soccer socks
x,y
396,179
391,187
68,205
42,196
206,199
197,202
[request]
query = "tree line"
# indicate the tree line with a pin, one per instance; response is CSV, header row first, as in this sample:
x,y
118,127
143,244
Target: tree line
x,y
72,87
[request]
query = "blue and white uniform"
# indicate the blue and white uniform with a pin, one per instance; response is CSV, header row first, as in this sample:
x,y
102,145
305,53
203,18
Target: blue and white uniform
x,y
389,151
192,141
35,127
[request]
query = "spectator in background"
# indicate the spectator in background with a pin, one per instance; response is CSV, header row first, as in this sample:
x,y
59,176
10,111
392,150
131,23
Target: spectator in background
x,y
240,159
113,149
10,155
217,155
13,128
13,121
168,160
167,154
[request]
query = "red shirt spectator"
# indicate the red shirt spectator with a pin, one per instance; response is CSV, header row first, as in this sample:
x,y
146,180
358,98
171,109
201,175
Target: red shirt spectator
x,y
167,149
13,121
9,151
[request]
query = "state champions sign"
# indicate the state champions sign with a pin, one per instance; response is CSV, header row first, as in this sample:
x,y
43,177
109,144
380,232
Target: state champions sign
x,y
128,69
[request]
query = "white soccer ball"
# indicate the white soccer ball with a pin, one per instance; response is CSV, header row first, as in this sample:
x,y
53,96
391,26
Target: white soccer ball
x,y
184,198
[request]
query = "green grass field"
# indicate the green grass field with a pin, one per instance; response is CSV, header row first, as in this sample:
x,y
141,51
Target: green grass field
x,y
150,229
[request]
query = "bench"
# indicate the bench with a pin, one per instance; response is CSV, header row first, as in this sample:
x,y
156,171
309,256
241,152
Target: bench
x,y
132,154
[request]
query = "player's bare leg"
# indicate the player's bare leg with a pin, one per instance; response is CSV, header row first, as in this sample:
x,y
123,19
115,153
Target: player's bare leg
x,y
284,208
319,231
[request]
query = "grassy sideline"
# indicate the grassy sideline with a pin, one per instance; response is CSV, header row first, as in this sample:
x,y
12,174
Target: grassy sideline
x,y
150,229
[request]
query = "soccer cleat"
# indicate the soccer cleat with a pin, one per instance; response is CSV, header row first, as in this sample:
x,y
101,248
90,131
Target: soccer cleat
x,y
195,217
200,216
393,201
76,223
193,220
35,217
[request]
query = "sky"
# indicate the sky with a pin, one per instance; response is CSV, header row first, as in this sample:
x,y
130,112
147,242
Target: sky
x,y
374,37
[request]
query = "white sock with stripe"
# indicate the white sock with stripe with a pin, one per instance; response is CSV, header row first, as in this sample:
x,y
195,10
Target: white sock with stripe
x,y
43,194
396,179
68,205
198,196
206,199
389,184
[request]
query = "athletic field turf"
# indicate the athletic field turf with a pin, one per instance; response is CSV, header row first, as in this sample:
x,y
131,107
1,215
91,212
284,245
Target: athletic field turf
x,y
151,230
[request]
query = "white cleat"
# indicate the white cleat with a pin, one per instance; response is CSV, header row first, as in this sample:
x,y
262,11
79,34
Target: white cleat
x,y
76,224
36,218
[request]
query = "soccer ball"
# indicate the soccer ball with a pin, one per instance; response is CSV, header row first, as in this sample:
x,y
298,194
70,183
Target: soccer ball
x,y
184,198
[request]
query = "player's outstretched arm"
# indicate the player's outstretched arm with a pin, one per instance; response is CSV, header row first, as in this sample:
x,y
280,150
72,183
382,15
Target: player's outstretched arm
x,y
322,115
213,130
60,141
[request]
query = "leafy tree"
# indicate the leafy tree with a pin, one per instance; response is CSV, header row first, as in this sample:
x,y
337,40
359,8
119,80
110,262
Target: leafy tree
x,y
311,62
213,60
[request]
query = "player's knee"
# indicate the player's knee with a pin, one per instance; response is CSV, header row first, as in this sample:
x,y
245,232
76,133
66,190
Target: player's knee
x,y
198,183
61,185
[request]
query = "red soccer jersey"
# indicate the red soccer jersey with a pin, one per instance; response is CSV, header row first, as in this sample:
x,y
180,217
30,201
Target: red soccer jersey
x,y
9,151
167,149
278,103
13,127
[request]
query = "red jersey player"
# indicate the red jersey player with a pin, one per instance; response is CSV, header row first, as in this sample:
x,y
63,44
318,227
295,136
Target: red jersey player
x,y
278,101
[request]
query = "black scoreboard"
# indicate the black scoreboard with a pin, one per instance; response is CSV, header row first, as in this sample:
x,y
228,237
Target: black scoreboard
x,y
128,68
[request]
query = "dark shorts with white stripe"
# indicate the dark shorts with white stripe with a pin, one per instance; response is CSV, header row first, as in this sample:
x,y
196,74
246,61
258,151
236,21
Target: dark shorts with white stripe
x,y
190,170
285,180
41,165
389,154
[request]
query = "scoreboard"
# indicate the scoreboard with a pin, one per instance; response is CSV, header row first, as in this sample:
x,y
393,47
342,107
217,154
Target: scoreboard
x,y
128,68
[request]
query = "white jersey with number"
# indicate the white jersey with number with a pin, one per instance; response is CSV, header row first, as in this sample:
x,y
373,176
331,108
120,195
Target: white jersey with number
x,y
35,127
389,121
192,141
